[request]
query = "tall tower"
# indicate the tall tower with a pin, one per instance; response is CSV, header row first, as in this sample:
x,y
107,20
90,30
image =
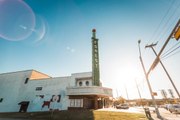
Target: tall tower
x,y
95,60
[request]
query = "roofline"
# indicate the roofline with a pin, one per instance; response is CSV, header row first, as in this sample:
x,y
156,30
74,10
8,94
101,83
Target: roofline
x,y
41,73
24,71
16,71
81,72
41,79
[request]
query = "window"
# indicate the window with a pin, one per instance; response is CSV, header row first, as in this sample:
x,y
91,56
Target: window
x,y
38,88
80,83
41,96
87,83
72,102
26,81
1,99
76,102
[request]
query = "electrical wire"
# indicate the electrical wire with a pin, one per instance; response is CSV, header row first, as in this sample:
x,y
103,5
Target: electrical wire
x,y
163,20
165,56
171,55
158,27
164,33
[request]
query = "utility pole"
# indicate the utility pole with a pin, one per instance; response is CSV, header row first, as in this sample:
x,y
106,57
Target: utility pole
x,y
117,93
166,42
126,93
149,86
152,47
139,93
156,61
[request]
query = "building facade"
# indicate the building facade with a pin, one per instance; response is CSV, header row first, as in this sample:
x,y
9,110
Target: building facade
x,y
30,90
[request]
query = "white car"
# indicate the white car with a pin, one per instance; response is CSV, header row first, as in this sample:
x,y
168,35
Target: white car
x,y
175,108
122,106
167,106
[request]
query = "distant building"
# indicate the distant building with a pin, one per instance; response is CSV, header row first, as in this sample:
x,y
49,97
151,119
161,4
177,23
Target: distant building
x,y
31,90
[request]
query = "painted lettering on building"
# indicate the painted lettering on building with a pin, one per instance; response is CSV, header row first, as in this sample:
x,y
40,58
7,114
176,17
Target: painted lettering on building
x,y
95,60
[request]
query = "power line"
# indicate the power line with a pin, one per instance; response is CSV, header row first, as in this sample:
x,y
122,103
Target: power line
x,y
169,19
171,51
171,54
164,54
158,27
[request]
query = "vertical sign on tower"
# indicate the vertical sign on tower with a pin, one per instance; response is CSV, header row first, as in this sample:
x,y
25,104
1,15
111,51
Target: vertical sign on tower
x,y
95,59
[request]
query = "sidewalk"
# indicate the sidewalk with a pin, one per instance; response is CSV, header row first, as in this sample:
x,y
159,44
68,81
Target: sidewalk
x,y
166,115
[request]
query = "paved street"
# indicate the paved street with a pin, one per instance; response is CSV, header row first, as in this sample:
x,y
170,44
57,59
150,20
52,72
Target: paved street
x,y
166,115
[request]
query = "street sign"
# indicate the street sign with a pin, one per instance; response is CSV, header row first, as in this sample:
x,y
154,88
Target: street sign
x,y
154,93
177,34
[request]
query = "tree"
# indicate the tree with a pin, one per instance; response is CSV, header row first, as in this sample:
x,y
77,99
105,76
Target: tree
x,y
171,93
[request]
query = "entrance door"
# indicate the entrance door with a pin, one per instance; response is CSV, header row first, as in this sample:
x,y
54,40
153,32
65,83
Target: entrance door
x,y
24,106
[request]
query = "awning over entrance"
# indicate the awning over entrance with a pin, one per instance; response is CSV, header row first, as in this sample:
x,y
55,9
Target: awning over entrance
x,y
92,90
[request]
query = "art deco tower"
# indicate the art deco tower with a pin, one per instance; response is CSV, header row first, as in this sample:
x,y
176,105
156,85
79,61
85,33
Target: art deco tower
x,y
95,60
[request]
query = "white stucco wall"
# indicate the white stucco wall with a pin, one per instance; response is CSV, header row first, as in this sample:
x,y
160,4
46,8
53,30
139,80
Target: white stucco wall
x,y
51,86
76,76
11,85
13,90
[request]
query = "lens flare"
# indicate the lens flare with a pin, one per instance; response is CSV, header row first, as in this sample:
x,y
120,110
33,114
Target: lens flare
x,y
16,20
40,31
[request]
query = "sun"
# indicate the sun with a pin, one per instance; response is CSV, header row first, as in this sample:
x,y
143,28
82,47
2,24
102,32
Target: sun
x,y
123,74
128,74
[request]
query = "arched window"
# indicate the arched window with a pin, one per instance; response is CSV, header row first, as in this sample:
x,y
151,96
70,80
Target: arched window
x,y
80,83
87,83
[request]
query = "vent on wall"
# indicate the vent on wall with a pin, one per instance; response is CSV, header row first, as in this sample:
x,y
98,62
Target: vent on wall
x,y
38,88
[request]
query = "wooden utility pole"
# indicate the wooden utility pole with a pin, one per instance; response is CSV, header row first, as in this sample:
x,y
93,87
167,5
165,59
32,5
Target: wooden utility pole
x,y
152,47
156,61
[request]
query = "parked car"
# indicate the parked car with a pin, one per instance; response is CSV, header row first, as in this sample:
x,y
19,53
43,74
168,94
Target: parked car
x,y
175,108
168,106
122,106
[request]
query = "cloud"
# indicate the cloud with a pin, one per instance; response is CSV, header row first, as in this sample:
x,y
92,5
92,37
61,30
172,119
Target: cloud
x,y
72,50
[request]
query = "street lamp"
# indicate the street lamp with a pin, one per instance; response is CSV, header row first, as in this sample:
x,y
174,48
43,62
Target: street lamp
x,y
147,80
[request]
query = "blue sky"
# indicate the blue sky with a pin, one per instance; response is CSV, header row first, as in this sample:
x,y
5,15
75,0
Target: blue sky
x,y
56,39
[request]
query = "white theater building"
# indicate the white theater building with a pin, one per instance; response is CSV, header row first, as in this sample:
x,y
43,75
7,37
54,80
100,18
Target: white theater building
x,y
31,90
